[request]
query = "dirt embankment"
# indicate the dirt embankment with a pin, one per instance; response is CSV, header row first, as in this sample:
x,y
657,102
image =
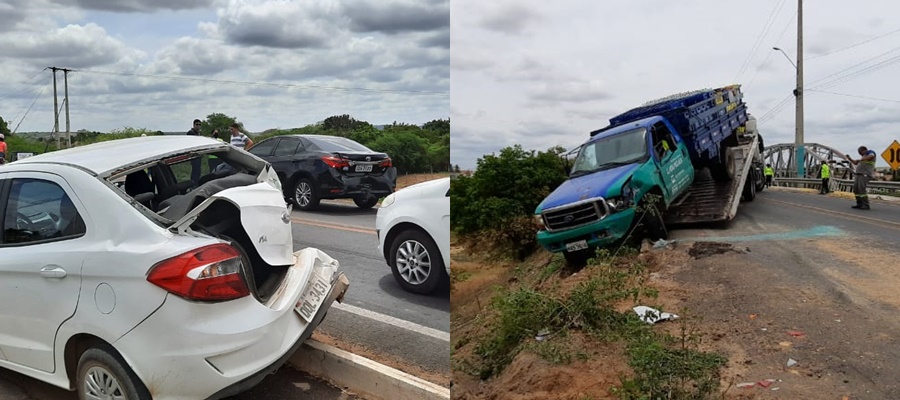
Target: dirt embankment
x,y
791,326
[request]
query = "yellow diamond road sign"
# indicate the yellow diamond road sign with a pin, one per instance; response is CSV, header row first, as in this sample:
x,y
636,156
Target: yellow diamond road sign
x,y
892,155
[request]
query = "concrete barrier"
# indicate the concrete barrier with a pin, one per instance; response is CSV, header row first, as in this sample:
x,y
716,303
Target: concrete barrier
x,y
362,375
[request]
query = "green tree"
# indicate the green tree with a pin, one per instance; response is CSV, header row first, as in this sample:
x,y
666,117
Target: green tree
x,y
218,121
342,124
4,128
408,151
503,187
441,126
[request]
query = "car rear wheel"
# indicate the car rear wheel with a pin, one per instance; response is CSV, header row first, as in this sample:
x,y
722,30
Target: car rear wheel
x,y
416,262
365,202
103,374
305,196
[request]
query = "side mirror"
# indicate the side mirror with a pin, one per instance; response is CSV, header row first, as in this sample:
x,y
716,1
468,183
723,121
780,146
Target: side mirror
x,y
567,167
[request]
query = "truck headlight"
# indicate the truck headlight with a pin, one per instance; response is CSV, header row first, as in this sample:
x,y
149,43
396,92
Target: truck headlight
x,y
623,202
539,222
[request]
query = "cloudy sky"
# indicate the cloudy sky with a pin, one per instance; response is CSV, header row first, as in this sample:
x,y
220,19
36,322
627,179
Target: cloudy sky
x,y
547,73
270,63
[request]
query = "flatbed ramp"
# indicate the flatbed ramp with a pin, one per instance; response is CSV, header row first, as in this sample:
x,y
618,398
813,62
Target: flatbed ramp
x,y
710,201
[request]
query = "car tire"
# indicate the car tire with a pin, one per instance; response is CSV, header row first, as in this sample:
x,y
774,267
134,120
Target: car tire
x,y
412,250
304,195
102,372
365,202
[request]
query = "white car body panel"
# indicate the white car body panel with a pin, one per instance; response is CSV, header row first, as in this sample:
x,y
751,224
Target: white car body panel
x,y
260,205
168,341
424,205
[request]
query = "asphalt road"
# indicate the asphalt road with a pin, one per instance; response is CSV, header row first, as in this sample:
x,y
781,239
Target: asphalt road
x,y
416,330
378,318
806,263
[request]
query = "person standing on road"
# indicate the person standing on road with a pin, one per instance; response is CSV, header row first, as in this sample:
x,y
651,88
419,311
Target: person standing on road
x,y
826,175
770,173
195,162
239,139
865,168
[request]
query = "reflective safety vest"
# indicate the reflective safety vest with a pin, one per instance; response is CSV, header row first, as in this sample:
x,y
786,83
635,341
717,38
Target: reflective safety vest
x,y
769,171
826,171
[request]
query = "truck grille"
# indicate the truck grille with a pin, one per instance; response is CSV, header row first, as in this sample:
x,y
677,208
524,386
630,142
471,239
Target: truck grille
x,y
575,215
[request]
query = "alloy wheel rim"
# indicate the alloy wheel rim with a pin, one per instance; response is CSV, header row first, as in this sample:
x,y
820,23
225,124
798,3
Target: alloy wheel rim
x,y
413,262
302,194
100,384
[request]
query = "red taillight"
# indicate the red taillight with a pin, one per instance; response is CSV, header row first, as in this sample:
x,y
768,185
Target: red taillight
x,y
211,273
336,162
386,163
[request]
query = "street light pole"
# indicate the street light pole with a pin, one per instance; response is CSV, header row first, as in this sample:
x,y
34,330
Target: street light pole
x,y
798,137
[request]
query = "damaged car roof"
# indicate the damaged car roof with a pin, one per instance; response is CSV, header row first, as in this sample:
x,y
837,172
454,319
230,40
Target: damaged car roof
x,y
104,157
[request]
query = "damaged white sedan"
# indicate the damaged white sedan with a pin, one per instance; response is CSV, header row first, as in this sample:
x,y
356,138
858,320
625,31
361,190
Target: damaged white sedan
x,y
153,267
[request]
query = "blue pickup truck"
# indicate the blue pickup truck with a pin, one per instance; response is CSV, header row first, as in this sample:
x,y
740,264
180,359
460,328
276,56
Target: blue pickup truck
x,y
681,159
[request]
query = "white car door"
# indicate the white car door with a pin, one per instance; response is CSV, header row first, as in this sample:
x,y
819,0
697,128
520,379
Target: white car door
x,y
40,264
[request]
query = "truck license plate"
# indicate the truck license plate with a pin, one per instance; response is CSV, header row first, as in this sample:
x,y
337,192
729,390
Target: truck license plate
x,y
364,168
575,246
312,297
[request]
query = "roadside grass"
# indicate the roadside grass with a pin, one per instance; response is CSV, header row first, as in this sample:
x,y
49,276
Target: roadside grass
x,y
537,317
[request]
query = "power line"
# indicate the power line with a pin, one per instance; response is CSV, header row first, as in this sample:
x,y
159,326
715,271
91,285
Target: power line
x,y
769,53
815,82
854,45
270,84
856,74
769,22
34,82
29,108
856,96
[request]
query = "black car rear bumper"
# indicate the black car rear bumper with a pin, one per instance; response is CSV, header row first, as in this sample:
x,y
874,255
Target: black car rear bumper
x,y
337,186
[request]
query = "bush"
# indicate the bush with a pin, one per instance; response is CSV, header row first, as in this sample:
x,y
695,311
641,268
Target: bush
x,y
498,201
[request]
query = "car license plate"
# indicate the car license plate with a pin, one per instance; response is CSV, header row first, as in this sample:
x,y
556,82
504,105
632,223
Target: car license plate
x,y
313,297
575,246
364,168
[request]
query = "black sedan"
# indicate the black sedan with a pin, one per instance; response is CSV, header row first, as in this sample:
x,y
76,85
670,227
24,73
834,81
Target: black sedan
x,y
316,167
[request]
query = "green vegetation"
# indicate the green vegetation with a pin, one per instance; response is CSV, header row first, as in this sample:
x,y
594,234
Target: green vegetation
x,y
496,204
412,148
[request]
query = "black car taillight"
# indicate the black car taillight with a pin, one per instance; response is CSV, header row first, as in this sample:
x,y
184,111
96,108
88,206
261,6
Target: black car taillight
x,y
386,163
335,162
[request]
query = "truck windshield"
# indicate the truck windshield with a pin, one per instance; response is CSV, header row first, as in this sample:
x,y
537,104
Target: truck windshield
x,y
621,149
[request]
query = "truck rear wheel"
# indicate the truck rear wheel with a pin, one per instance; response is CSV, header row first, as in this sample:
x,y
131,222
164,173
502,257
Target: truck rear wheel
x,y
724,171
750,187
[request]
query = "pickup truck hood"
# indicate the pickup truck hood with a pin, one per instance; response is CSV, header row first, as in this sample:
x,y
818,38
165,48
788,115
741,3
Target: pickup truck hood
x,y
587,186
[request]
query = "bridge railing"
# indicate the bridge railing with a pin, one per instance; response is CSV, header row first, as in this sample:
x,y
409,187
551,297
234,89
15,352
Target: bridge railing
x,y
842,185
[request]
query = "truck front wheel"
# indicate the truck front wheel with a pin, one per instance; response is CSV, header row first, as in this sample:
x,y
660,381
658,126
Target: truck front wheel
x,y
654,224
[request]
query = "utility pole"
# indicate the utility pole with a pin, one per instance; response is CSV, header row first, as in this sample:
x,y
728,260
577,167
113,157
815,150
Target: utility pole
x,y
55,109
798,137
68,126
56,106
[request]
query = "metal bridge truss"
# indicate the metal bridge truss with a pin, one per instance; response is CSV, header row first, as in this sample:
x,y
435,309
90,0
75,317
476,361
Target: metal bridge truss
x,y
781,157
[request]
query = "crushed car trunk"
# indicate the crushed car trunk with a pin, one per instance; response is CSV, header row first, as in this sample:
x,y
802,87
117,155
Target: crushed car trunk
x,y
239,202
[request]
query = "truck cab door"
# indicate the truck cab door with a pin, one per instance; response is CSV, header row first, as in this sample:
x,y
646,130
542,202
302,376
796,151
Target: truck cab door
x,y
672,160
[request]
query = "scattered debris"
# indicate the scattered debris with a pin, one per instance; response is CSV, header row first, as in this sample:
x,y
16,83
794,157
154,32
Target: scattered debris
x,y
765,382
664,244
775,388
785,344
651,315
752,316
542,335
765,329
746,385
791,362
705,249
796,334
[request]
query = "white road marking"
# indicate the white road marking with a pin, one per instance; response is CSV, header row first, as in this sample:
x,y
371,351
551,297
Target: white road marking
x,y
400,323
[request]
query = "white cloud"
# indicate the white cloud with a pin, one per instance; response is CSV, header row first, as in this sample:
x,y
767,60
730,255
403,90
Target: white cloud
x,y
565,68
